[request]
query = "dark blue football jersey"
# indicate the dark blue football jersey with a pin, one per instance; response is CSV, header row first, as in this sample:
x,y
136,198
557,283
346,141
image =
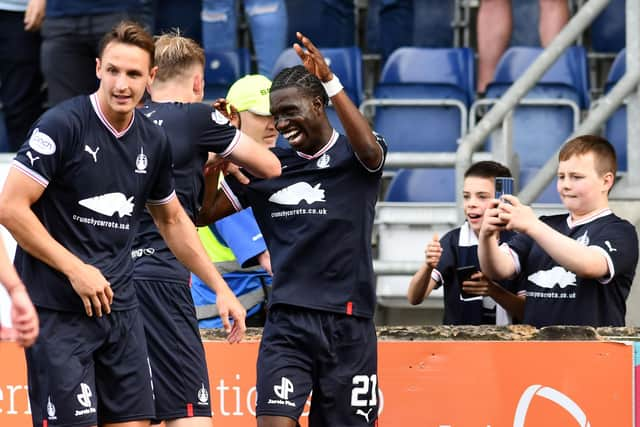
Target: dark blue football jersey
x,y
460,249
317,219
556,296
97,183
193,130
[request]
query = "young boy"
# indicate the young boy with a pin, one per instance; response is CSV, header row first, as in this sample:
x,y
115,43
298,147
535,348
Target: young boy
x,y
578,267
472,302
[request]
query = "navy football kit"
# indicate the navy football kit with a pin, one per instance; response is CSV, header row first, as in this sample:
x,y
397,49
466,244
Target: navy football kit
x,y
181,380
556,296
317,220
460,249
97,181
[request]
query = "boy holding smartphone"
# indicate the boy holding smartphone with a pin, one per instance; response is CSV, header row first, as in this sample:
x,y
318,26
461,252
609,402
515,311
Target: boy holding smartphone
x,y
577,267
469,297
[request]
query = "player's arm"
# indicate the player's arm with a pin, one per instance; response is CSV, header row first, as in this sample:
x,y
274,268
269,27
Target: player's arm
x,y
181,237
255,157
358,131
23,313
494,262
511,302
584,261
422,283
19,194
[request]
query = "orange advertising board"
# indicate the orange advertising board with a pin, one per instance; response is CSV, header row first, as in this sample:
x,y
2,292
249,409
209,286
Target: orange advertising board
x,y
427,383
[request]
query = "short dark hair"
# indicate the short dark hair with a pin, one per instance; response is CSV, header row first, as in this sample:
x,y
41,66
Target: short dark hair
x,y
301,78
487,169
129,32
603,152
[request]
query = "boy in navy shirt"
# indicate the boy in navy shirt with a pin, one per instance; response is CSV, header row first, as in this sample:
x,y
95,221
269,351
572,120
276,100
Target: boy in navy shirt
x,y
472,302
579,266
72,200
176,354
317,219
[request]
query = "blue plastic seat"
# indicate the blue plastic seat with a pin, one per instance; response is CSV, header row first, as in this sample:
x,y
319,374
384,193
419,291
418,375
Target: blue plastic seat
x,y
223,68
548,195
422,185
421,101
615,129
328,23
345,62
539,130
608,30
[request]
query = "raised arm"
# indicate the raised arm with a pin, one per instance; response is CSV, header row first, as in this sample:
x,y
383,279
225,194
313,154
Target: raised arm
x,y
255,157
181,237
421,283
355,125
494,263
19,193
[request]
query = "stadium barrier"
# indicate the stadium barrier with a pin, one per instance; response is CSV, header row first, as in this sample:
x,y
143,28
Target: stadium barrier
x,y
436,376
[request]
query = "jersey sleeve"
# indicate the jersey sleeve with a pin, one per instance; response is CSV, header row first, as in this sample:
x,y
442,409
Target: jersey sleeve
x,y
618,242
235,192
242,234
42,155
518,246
215,132
383,146
163,188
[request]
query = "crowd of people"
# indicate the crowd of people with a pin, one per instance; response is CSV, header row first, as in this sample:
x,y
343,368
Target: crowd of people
x,y
105,192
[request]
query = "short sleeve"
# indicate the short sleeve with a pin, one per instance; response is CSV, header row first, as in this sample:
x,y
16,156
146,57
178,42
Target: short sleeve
x,y
215,132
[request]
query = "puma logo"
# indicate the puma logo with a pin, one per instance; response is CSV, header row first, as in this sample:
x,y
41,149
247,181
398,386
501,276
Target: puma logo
x,y
611,248
31,158
364,414
94,153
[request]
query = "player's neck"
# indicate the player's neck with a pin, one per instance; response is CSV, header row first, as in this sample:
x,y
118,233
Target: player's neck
x,y
577,216
172,92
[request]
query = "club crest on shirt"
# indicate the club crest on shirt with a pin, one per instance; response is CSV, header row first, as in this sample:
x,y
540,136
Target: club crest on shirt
x,y
323,161
42,143
141,162
584,239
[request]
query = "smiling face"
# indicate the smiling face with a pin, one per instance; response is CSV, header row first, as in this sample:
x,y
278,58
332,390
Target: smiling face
x,y
299,118
582,189
124,72
476,193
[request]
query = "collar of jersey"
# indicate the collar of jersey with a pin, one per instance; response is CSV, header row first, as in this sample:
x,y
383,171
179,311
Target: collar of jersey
x,y
467,236
600,214
96,107
324,149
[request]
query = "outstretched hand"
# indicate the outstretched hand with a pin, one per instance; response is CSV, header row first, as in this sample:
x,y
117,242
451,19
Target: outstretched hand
x,y
312,59
433,252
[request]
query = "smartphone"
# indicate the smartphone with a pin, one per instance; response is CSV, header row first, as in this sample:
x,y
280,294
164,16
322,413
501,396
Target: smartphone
x,y
463,274
504,185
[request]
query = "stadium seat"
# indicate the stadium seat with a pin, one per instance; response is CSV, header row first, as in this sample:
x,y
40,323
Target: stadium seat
x,y
328,23
345,62
223,67
615,129
422,185
420,103
550,111
608,29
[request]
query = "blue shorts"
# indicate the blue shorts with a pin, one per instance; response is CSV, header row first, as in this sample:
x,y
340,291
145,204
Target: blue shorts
x,y
176,353
89,370
334,355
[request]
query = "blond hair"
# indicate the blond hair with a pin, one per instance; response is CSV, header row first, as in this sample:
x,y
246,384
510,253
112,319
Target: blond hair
x,y
175,55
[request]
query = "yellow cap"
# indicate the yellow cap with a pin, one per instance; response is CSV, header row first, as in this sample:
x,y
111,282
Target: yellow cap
x,y
251,93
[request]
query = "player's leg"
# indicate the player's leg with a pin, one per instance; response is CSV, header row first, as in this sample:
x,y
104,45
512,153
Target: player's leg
x,y
345,392
285,364
61,370
123,374
494,31
554,15
176,354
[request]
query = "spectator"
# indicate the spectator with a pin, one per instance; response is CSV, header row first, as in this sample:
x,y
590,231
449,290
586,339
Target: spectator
x,y
21,87
319,333
235,243
579,266
162,283
494,31
72,201
267,23
71,33
24,319
472,302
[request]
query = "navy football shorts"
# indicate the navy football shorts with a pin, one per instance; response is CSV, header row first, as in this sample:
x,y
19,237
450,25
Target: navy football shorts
x,y
89,370
332,354
176,353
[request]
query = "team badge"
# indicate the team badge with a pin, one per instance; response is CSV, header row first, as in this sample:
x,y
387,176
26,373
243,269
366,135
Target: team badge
x,y
141,162
323,161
